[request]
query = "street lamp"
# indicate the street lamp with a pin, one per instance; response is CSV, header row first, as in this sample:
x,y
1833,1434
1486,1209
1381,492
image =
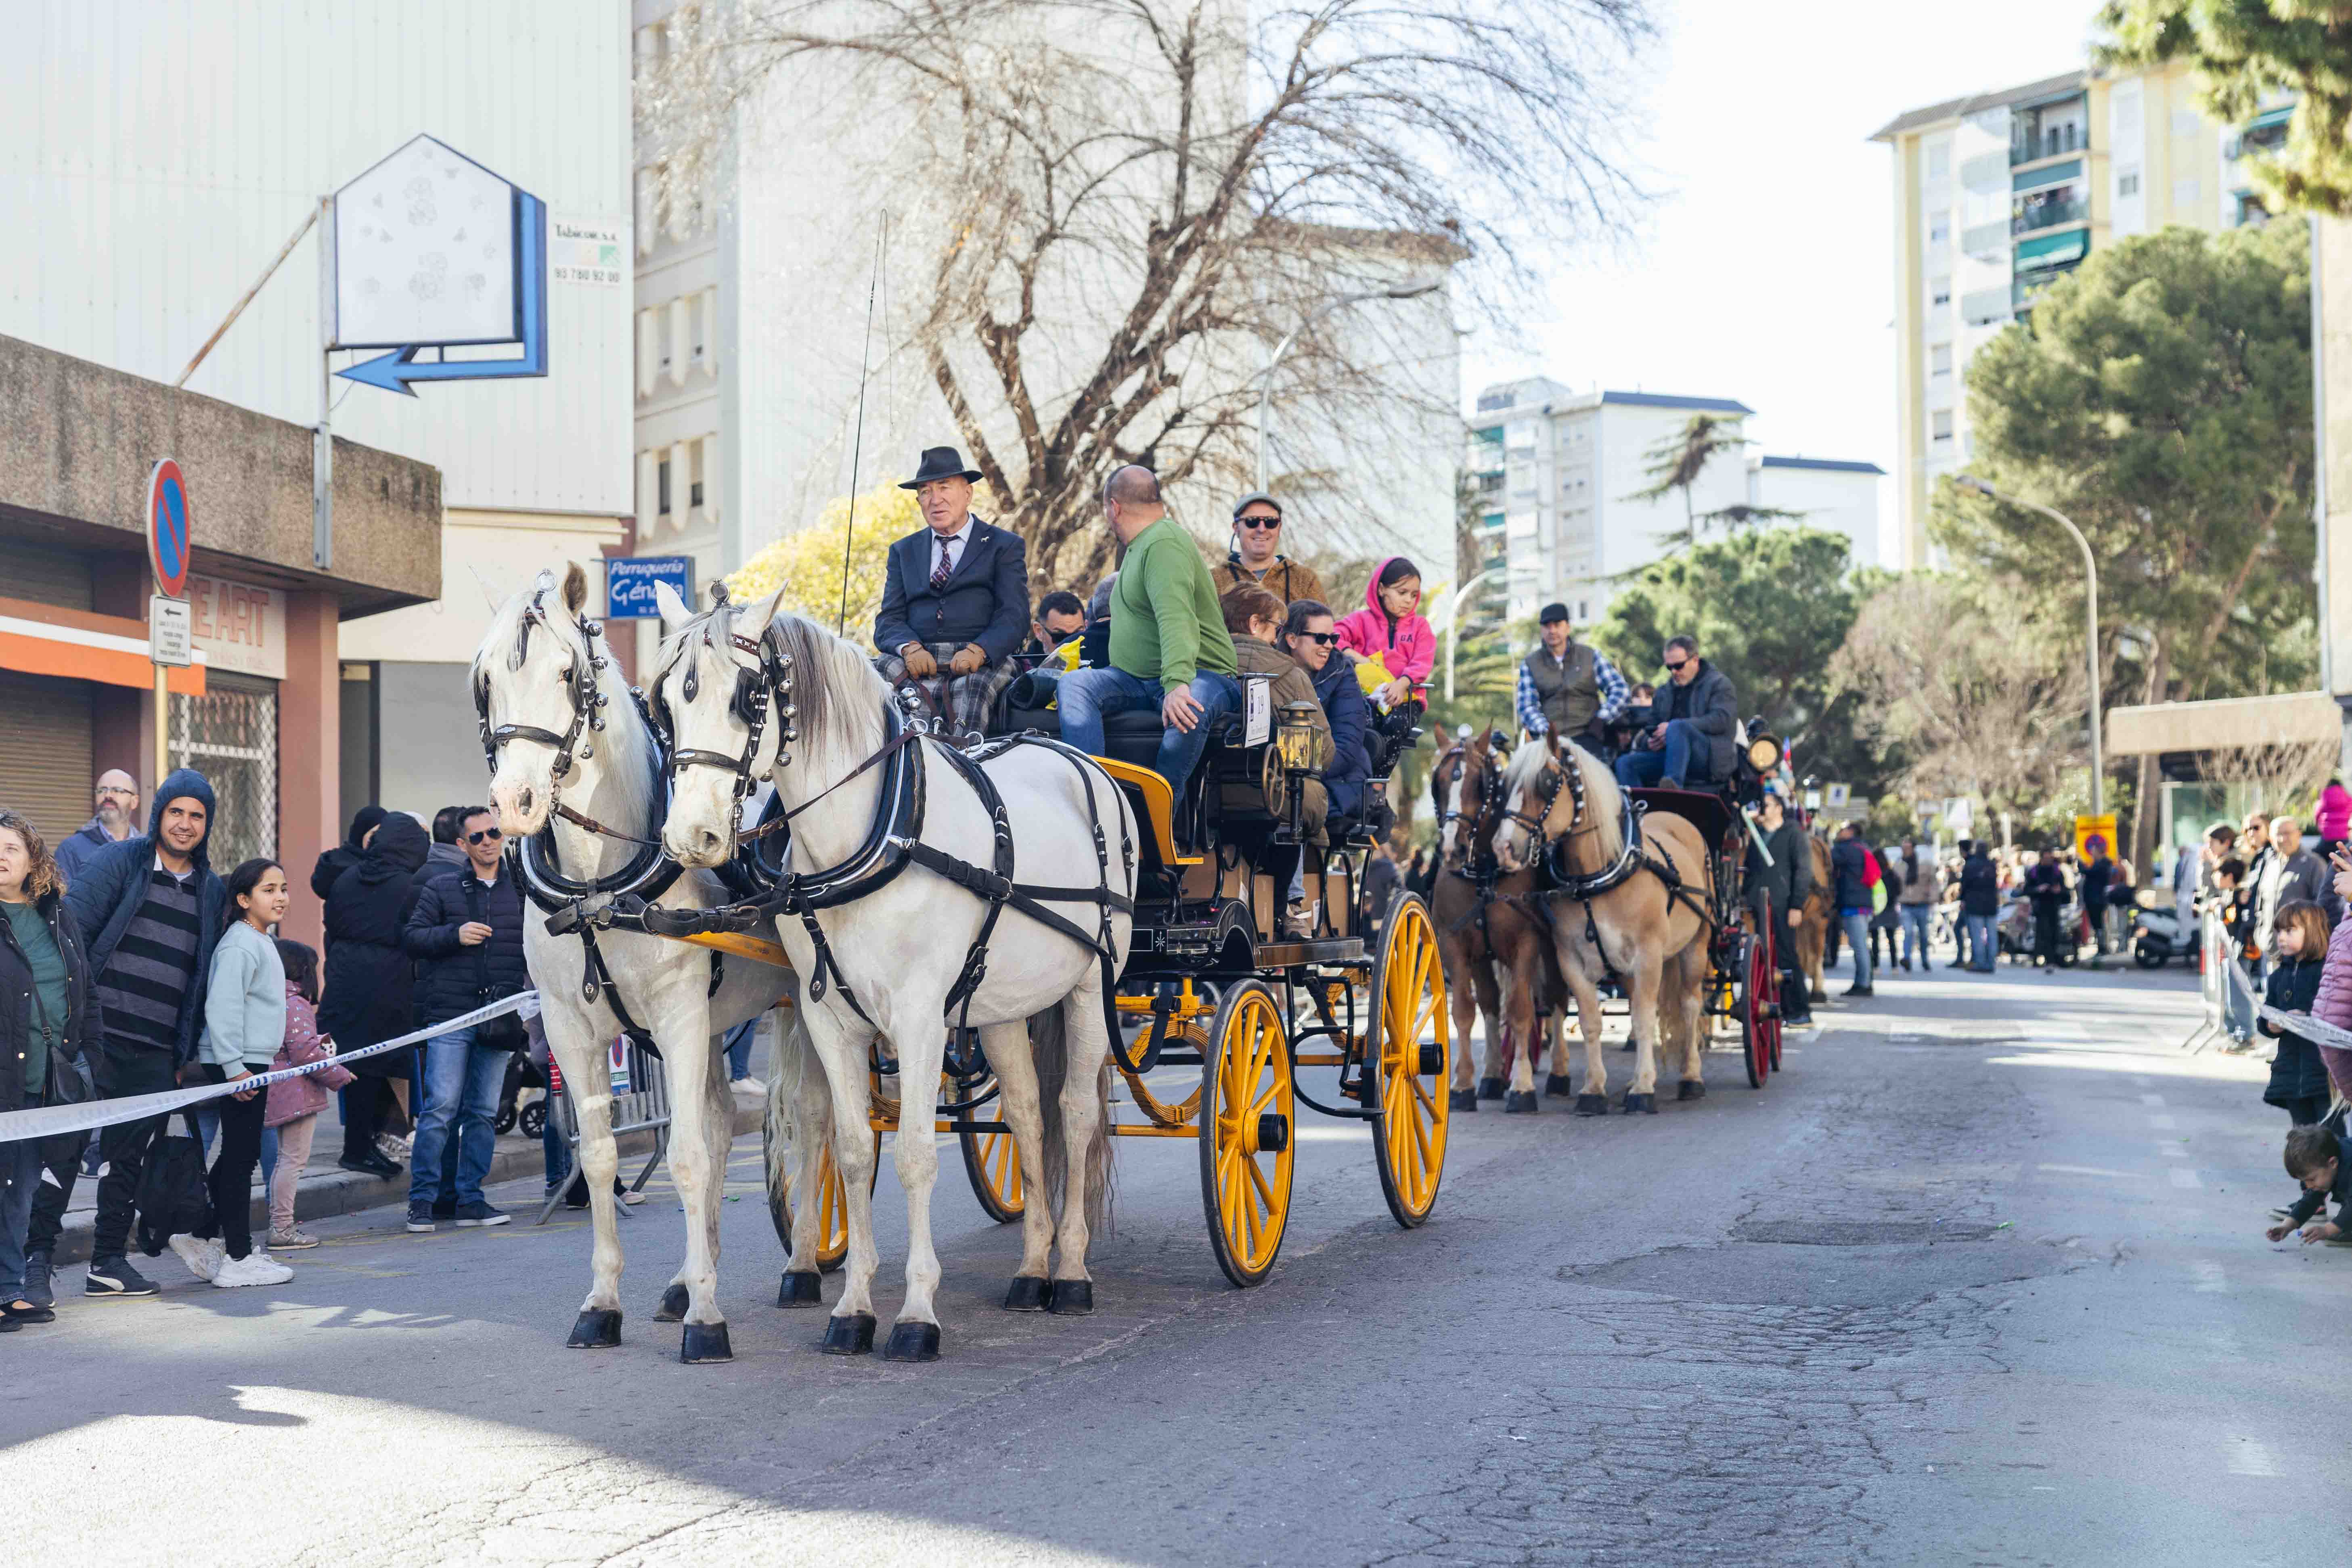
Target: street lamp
x,y
1266,381
1453,624
2090,616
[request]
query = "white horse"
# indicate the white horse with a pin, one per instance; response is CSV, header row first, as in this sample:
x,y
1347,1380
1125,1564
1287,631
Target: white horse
x,y
900,948
569,744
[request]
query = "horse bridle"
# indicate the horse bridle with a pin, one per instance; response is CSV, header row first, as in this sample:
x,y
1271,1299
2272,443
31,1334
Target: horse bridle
x,y
587,699
758,691
1489,772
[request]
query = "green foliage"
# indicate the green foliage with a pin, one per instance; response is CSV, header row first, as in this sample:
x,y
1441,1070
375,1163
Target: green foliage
x,y
2053,818
2161,397
1485,674
1770,608
2245,51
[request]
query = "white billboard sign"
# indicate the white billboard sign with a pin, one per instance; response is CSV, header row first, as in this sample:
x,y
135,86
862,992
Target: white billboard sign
x,y
425,253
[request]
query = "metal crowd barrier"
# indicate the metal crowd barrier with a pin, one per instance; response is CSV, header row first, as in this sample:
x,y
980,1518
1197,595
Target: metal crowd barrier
x,y
640,1103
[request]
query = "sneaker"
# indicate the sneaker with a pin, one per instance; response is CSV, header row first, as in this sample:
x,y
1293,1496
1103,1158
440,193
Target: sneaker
x,y
392,1148
203,1257
37,1288
630,1197
371,1164
291,1240
115,1277
476,1215
1299,923
420,1217
254,1268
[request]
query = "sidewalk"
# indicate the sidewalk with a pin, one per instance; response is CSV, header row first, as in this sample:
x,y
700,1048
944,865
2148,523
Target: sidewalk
x,y
326,1188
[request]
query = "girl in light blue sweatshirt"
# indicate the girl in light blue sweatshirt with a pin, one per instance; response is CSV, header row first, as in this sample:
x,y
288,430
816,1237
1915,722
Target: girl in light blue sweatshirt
x,y
244,1023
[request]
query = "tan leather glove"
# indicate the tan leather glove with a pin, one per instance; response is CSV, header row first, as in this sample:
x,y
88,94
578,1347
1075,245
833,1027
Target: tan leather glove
x,y
919,660
967,659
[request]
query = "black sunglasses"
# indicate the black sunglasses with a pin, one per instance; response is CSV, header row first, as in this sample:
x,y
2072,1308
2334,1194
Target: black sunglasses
x,y
1675,668
485,833
1257,522
1326,638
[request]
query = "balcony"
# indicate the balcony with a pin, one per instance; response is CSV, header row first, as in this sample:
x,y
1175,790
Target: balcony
x,y
1986,306
2033,216
2056,142
2031,286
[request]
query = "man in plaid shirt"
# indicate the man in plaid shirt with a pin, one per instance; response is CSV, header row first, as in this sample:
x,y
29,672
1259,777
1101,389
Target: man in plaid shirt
x,y
1568,687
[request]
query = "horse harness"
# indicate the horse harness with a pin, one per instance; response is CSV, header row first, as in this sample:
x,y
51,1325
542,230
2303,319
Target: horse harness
x,y
1633,855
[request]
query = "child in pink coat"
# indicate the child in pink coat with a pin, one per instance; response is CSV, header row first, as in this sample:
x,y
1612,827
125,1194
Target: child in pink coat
x,y
294,1103
1390,629
2332,1004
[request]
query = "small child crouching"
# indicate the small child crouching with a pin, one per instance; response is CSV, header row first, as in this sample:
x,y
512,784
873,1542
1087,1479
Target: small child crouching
x,y
2323,1162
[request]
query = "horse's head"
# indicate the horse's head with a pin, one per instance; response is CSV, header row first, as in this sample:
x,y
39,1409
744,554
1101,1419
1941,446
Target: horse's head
x,y
536,691
1532,797
725,696
1464,783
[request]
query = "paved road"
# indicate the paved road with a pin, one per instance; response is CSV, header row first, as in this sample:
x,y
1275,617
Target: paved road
x,y
1978,1279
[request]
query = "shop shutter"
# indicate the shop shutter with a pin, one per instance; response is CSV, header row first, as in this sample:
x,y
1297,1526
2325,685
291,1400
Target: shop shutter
x,y
45,751
58,577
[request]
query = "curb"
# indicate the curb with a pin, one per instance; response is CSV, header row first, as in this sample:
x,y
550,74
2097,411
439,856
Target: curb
x,y
340,1192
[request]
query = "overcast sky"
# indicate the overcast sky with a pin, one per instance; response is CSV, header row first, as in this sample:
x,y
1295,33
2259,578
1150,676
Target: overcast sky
x,y
1765,270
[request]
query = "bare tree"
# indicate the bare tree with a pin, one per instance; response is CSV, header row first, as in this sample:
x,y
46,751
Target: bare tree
x,y
1124,201
2285,776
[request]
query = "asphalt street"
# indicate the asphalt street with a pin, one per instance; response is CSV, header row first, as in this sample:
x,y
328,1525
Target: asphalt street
x,y
1978,1278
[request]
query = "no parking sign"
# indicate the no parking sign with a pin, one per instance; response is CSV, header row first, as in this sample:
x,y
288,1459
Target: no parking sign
x,y
167,528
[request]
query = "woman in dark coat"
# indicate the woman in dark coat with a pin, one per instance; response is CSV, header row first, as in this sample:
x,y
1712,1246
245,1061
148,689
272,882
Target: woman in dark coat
x,y
48,1023
347,853
370,979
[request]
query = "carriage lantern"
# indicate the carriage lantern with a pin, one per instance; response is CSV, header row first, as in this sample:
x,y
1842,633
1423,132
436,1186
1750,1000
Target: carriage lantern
x,y
1764,753
1295,736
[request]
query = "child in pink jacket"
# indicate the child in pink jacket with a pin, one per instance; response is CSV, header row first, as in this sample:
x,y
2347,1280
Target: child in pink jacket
x,y
1390,629
294,1103
2332,1004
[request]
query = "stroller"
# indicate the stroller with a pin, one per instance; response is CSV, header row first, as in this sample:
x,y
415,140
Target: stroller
x,y
523,1077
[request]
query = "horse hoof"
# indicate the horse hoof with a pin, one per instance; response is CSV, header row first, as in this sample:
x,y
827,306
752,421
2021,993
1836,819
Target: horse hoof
x,y
1029,1294
596,1329
1072,1298
1646,1104
1592,1105
1461,1099
852,1335
1690,1088
1490,1089
673,1306
912,1342
800,1290
1559,1085
1519,1102
705,1341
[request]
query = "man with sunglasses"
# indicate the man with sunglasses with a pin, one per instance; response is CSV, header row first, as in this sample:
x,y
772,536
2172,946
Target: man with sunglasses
x,y
1258,528
465,933
1690,744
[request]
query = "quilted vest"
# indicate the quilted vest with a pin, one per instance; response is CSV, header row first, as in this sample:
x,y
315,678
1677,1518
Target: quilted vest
x,y
1569,689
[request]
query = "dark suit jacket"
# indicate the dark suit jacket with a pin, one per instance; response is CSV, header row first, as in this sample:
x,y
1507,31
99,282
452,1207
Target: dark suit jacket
x,y
985,602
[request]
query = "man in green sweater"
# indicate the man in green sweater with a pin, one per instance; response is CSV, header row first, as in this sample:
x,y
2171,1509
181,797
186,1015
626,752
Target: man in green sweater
x,y
1169,647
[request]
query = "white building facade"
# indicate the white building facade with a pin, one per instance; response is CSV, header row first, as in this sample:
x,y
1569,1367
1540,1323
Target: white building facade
x,y
222,127
1827,493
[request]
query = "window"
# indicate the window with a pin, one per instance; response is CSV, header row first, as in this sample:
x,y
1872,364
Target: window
x,y
1939,229
2127,184
1939,292
661,486
1583,609
1940,360
1939,424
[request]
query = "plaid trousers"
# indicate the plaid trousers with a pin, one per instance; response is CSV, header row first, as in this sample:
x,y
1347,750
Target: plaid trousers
x,y
961,701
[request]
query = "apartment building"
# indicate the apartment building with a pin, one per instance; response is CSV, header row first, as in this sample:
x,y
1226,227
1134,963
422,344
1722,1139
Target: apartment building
x,y
2000,195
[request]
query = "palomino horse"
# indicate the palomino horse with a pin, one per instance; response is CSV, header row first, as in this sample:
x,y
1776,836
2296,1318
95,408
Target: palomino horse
x,y
1494,954
570,752
1636,907
888,936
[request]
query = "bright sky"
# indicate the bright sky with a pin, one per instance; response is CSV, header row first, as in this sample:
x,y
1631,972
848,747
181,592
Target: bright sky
x,y
1765,270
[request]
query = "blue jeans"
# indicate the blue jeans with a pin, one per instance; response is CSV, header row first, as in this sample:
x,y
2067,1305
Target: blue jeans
x,y
739,1041
1669,766
1857,937
20,1171
461,1095
1982,947
1919,919
1087,696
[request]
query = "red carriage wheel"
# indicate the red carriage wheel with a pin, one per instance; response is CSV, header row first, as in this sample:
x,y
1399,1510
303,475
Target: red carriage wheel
x,y
1757,1022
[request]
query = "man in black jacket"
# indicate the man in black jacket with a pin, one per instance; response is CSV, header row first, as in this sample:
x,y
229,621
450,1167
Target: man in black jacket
x,y
1979,903
955,599
466,933
1691,743
1779,880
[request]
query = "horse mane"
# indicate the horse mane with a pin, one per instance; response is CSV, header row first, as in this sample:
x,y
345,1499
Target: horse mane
x,y
1604,803
825,670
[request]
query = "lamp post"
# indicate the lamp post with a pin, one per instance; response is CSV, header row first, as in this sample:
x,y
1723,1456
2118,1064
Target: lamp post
x,y
1453,624
2090,619
1265,376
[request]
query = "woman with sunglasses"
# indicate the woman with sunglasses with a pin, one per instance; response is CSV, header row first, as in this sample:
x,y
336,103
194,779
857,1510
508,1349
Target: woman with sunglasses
x,y
1308,638
1258,528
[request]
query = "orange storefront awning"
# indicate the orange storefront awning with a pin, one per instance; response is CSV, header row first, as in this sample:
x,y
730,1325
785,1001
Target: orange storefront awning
x,y
44,639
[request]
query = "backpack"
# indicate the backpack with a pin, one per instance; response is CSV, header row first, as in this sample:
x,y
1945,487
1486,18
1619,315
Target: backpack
x,y
173,1199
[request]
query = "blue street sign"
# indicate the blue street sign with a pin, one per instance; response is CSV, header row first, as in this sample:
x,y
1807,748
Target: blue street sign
x,y
629,584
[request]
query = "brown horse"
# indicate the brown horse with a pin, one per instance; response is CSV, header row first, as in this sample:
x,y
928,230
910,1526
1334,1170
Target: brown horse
x,y
1494,957
1649,926
1813,930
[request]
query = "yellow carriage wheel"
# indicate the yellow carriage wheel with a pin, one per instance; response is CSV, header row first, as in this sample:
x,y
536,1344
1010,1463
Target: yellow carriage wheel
x,y
832,1199
992,1161
1247,1118
1188,1035
1408,1031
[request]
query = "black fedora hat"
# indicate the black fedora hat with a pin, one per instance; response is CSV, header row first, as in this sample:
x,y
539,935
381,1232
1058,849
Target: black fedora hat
x,y
940,463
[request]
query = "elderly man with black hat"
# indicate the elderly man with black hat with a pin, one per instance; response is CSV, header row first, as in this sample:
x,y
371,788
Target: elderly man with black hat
x,y
955,599
1568,687
1258,528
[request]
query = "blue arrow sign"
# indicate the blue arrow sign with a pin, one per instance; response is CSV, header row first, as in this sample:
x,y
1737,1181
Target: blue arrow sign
x,y
394,372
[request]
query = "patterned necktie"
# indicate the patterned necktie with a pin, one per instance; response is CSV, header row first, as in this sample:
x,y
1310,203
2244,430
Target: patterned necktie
x,y
947,564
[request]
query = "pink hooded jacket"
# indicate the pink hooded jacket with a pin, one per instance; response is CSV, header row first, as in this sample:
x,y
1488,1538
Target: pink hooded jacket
x,y
2333,1004
299,1097
1409,646
2334,813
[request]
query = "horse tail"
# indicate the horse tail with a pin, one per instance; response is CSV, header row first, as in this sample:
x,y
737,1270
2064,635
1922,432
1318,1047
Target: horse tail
x,y
784,1077
1049,1048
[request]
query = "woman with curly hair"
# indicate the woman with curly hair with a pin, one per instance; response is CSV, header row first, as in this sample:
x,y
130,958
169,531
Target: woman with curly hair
x,y
48,1015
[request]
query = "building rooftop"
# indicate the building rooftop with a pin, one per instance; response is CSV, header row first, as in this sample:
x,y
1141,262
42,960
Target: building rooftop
x,y
1667,400
1961,107
1833,463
